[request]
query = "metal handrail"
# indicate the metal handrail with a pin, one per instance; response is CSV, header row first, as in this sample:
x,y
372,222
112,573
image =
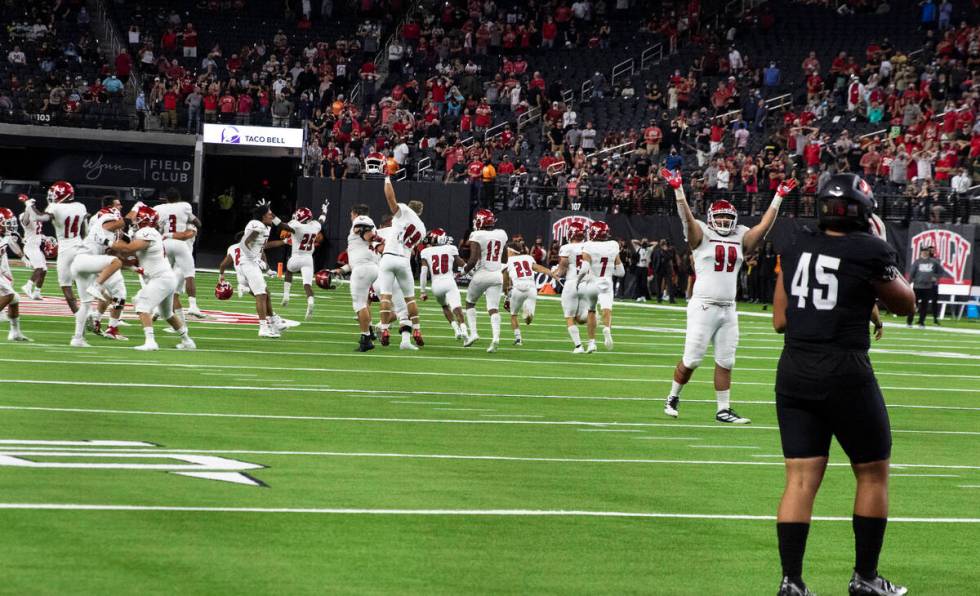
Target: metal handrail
x,y
626,66
873,133
554,168
528,117
424,165
567,97
489,134
654,52
587,87
400,174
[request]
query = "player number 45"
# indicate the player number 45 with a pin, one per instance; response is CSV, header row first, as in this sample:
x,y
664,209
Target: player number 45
x,y
825,297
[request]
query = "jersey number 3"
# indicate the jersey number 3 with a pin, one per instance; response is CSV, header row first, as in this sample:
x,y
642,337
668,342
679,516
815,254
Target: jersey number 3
x,y
825,287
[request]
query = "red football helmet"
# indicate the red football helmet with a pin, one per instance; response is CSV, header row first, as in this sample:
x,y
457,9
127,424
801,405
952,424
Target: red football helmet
x,y
49,246
322,279
437,237
8,221
598,230
722,226
303,215
223,290
61,192
576,230
147,217
484,219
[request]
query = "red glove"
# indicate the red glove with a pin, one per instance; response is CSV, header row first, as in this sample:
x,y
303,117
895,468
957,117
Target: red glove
x,y
672,178
507,304
786,187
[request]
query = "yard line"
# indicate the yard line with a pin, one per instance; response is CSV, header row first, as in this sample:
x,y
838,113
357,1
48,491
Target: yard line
x,y
926,475
382,392
969,486
465,409
424,403
667,438
609,430
724,446
512,415
456,512
444,456
724,428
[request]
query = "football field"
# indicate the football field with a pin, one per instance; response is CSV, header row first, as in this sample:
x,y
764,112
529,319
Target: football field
x,y
298,466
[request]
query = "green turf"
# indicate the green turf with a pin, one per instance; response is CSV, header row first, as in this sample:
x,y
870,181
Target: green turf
x,y
451,429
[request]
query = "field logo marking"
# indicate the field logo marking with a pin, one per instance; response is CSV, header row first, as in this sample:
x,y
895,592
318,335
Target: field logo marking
x,y
208,467
56,307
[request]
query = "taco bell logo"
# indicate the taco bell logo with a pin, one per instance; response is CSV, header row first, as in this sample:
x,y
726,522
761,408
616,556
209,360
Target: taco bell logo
x,y
229,134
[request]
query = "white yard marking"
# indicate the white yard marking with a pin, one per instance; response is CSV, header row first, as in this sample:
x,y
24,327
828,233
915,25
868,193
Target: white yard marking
x,y
424,403
609,430
512,415
724,446
457,512
925,475
465,409
667,438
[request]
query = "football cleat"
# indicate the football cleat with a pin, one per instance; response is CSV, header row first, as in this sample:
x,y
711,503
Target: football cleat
x,y
149,346
591,347
385,337
276,322
113,333
187,344
729,416
365,344
17,336
492,348
371,333
309,312
471,340
268,331
169,330
670,405
285,301
608,342
79,342
789,588
417,337
407,346
578,350
878,586
32,293
197,314
518,341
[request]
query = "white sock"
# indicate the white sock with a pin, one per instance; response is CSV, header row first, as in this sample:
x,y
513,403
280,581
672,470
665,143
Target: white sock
x,y
607,332
471,319
80,316
30,286
14,324
383,326
723,398
574,334
263,323
517,333
495,326
455,327
182,332
285,288
113,322
309,300
462,329
148,333
406,337
193,302
675,389
416,326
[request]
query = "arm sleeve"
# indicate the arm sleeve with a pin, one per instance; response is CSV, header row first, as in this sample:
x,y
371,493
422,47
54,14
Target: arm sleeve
x,y
883,262
424,275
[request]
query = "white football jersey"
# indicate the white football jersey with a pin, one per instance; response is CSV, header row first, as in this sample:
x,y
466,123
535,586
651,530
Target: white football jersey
x,y
440,260
492,244
359,251
68,219
235,252
304,236
94,243
174,217
603,255
153,258
716,263
520,268
573,251
253,249
408,232
4,263
33,225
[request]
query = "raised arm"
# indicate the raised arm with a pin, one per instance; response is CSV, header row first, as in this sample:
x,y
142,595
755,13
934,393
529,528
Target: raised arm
x,y
390,196
779,305
758,232
691,229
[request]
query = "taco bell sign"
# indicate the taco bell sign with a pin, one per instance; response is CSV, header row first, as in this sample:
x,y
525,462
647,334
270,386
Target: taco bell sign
x,y
254,136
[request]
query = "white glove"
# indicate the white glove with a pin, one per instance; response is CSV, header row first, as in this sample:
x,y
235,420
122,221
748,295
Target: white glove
x,y
29,203
325,206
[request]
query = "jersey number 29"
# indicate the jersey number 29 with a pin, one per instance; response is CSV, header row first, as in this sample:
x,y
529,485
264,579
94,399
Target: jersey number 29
x,y
825,294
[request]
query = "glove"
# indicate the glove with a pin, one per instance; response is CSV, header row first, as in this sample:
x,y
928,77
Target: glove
x,y
262,203
507,304
424,296
672,178
786,187
289,240
325,206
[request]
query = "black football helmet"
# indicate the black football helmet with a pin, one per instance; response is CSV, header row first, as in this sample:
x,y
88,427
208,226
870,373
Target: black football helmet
x,y
845,203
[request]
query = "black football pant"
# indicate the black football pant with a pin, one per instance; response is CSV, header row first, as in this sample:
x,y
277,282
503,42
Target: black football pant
x,y
923,296
642,287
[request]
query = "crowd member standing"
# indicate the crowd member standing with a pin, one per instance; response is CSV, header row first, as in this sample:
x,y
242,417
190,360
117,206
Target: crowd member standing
x,y
643,250
924,275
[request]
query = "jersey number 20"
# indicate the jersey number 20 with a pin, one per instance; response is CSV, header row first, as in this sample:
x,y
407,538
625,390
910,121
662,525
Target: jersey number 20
x,y
825,294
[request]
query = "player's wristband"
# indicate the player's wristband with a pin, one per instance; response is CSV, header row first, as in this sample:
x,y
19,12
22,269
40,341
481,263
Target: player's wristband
x,y
777,200
345,268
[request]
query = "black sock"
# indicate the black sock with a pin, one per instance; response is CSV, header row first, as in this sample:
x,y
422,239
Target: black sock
x,y
869,534
792,545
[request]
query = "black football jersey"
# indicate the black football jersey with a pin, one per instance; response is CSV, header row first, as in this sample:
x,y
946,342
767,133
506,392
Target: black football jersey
x,y
828,282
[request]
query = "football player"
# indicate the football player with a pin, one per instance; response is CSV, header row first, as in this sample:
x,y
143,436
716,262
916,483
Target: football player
x,y
600,256
718,248
181,259
441,257
825,385
250,266
520,286
573,306
488,255
68,219
362,265
32,222
176,216
89,262
395,266
8,297
160,280
305,237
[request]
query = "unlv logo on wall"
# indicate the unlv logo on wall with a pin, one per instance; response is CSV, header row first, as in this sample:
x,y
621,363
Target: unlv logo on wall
x,y
954,249
559,229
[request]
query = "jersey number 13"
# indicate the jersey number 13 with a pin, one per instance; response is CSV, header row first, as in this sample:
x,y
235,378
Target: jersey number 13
x,y
824,296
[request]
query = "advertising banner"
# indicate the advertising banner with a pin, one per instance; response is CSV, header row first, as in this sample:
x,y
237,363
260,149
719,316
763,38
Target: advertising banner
x,y
953,245
254,136
114,169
